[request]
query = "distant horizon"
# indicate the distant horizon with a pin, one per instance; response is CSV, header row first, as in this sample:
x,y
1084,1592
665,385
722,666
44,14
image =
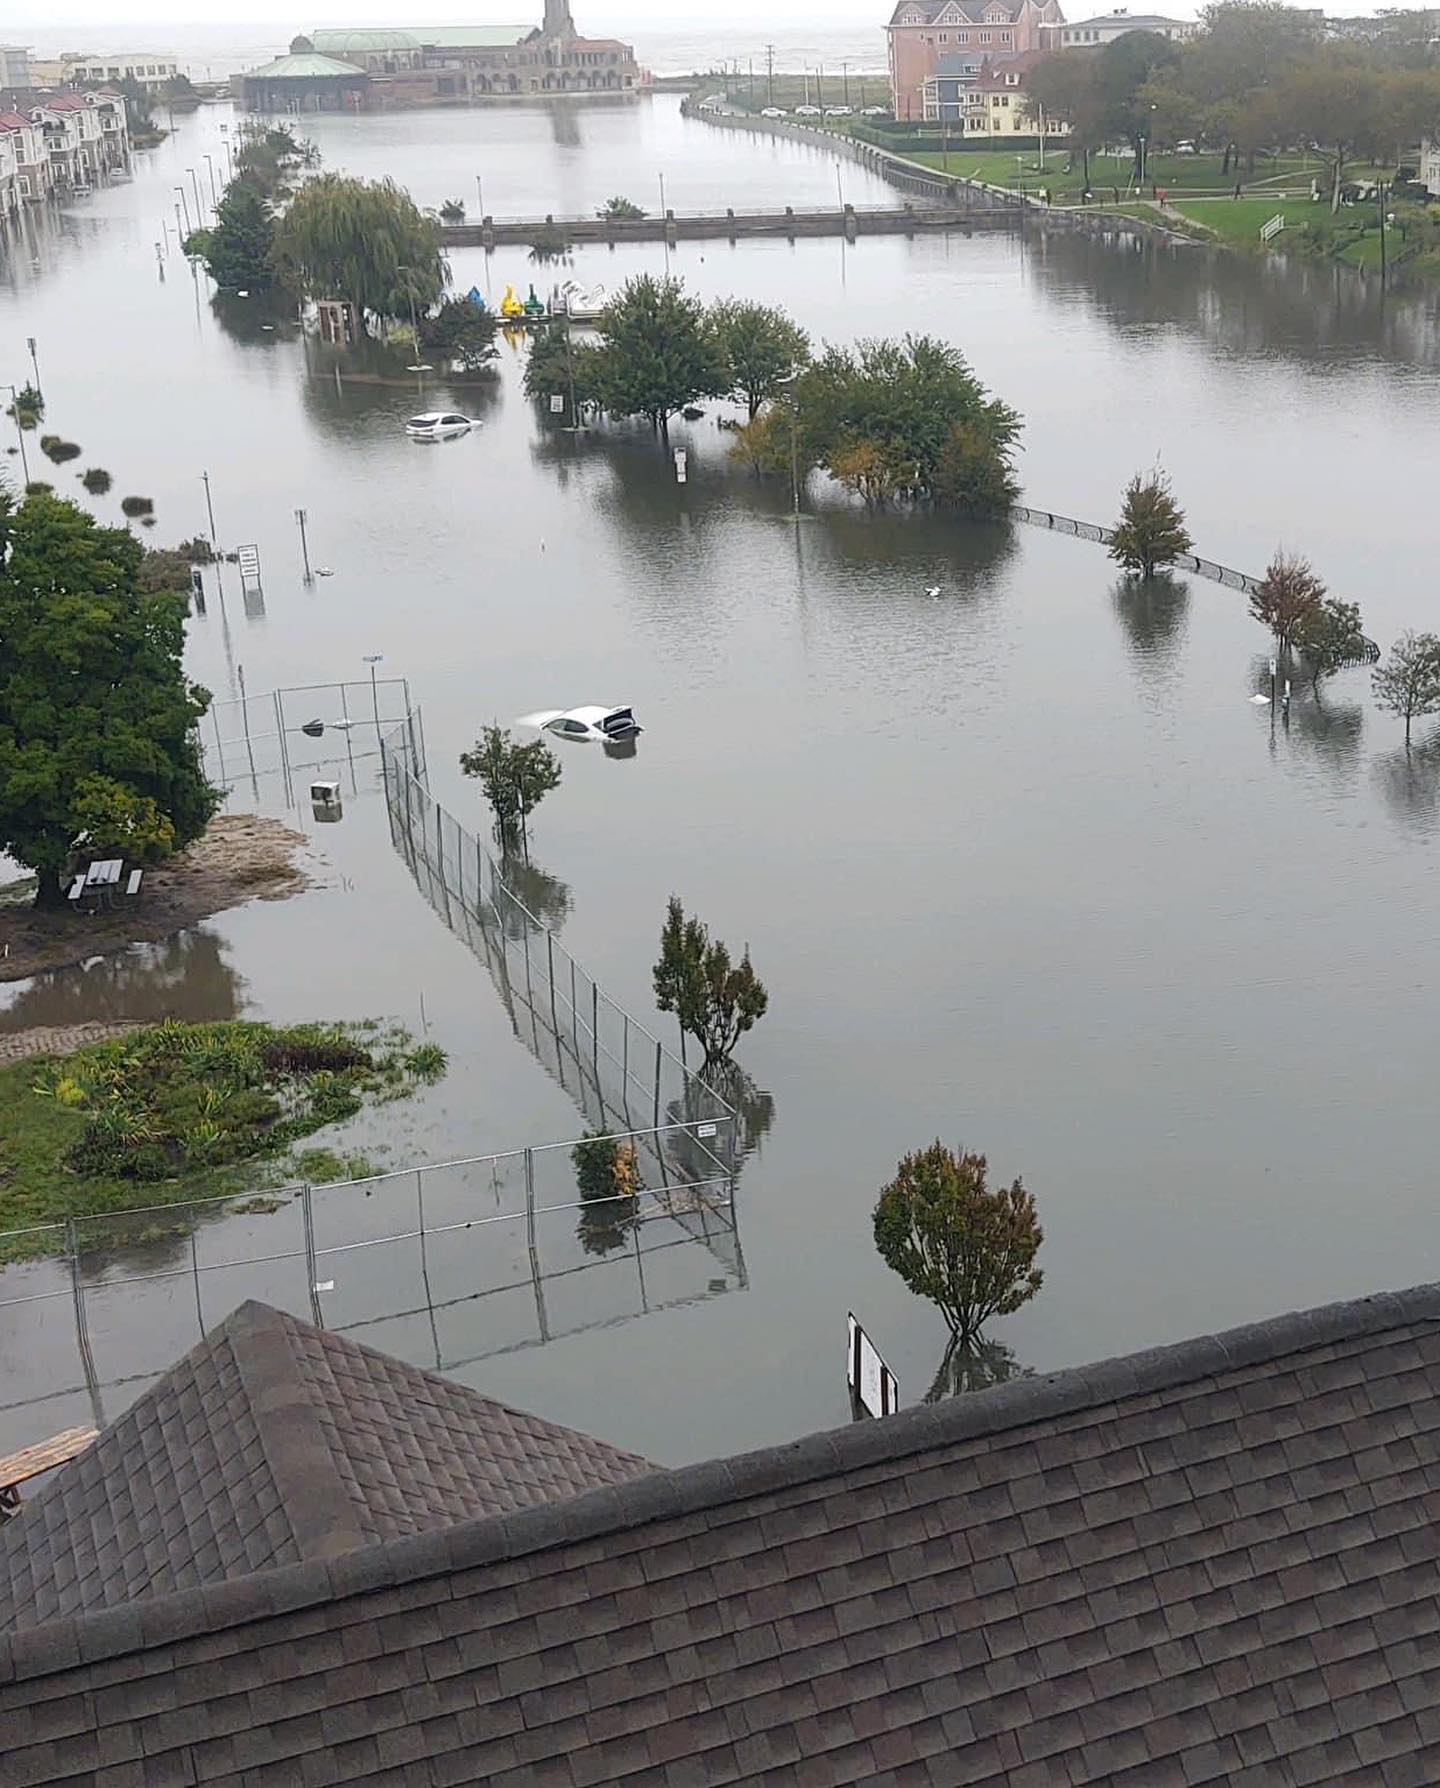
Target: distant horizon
x,y
93,20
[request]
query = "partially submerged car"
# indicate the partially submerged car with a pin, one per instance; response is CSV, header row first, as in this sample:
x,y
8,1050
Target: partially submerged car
x,y
438,425
585,725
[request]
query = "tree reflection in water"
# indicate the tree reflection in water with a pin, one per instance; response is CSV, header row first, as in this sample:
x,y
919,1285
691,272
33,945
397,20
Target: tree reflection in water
x,y
1410,783
974,1367
753,1106
186,976
542,894
1153,612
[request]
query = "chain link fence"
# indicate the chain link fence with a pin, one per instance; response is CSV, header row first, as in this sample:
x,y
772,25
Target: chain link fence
x,y
305,728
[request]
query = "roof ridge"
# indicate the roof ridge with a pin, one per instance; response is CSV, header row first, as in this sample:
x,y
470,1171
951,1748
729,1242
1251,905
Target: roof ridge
x,y
313,1495
663,1495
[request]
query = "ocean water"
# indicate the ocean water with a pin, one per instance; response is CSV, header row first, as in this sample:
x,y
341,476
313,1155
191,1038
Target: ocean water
x,y
218,51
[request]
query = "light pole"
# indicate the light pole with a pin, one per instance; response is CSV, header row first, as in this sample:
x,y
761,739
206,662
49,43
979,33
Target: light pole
x,y
19,432
210,510
304,545
662,198
789,379
372,659
214,196
185,204
845,77
480,197
195,188
419,366
30,343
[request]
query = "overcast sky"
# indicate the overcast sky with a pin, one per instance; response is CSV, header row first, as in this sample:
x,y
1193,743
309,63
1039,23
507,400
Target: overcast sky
x,y
102,19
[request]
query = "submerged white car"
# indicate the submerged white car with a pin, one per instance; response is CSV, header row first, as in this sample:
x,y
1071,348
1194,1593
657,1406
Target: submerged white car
x,y
437,425
585,725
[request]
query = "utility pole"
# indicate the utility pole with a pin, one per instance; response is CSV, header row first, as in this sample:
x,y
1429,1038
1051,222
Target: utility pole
x,y
372,659
210,510
769,74
752,80
1380,199
304,545
30,343
820,85
845,77
19,432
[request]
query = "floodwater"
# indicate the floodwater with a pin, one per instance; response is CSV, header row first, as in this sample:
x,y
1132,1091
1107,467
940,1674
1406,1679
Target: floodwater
x,y
1019,863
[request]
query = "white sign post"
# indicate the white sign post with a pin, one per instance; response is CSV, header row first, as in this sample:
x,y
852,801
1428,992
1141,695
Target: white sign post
x,y
872,1383
679,465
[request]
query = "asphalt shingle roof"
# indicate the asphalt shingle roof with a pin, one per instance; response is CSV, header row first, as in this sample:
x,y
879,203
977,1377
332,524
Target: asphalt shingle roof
x,y
1209,1563
270,1443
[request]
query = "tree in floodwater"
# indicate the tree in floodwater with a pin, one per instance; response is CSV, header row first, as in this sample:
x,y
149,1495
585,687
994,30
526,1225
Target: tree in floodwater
x,y
969,1250
1287,599
1329,639
238,251
657,352
97,716
714,999
1151,531
365,241
460,333
1408,683
514,779
760,345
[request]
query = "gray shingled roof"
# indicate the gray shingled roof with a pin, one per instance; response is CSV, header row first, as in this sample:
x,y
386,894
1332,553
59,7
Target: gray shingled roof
x,y
272,1442
1210,1563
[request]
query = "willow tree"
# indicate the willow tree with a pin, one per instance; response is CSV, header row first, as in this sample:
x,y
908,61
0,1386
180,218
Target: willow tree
x,y
365,241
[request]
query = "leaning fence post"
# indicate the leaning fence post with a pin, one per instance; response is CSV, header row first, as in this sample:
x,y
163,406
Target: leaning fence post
x,y
311,1268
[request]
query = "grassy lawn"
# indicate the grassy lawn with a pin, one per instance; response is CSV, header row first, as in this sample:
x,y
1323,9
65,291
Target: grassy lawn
x,y
183,1111
1240,220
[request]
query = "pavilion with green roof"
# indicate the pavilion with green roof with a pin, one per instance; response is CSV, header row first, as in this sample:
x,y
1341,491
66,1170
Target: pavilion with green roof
x,y
304,81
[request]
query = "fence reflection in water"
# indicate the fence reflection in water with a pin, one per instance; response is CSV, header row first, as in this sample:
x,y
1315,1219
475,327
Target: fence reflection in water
x,y
443,1264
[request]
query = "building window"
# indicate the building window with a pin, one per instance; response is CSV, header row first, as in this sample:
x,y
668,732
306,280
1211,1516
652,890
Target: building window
x,y
985,36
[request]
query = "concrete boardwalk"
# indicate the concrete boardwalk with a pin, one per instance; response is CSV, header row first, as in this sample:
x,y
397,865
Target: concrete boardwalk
x,y
677,226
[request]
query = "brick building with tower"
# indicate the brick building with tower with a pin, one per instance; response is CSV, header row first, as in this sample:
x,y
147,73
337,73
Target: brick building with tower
x,y
344,69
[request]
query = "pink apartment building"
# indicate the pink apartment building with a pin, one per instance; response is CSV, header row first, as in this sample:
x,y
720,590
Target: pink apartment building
x,y
922,31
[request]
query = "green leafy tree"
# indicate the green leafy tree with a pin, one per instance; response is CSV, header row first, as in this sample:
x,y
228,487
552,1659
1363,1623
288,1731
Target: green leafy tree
x,y
620,210
1151,531
1408,682
906,399
971,474
951,1239
1330,638
1124,69
238,252
28,407
714,999
365,241
1335,102
460,332
270,156
94,701
514,779
1287,599
1066,88
453,211
116,820
657,353
557,363
96,480
760,346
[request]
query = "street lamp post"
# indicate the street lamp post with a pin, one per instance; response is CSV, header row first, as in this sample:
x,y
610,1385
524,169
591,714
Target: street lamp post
x,y
372,659
195,188
210,510
480,197
185,204
30,343
304,544
214,195
789,379
662,200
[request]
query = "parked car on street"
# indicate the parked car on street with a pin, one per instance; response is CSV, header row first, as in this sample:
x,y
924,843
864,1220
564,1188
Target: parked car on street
x,y
772,112
837,111
875,112
807,111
